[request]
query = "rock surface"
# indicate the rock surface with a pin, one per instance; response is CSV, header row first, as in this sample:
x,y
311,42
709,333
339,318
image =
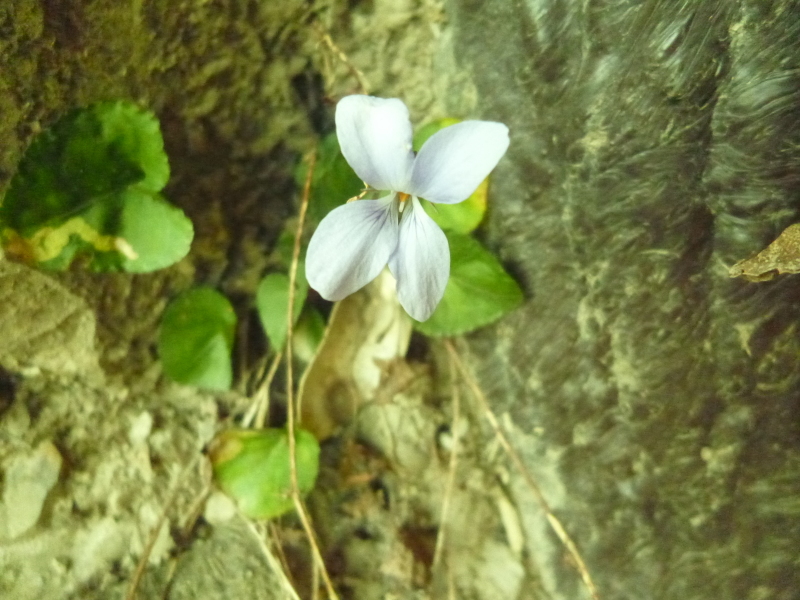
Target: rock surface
x,y
28,480
43,326
653,145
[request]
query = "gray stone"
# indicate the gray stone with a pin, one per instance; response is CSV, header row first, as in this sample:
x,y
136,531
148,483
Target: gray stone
x,y
653,145
27,482
42,324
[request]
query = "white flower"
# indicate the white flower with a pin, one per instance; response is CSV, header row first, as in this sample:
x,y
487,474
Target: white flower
x,y
355,241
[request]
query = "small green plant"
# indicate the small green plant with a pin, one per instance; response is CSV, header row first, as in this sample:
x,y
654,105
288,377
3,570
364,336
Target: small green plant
x,y
89,187
253,465
479,291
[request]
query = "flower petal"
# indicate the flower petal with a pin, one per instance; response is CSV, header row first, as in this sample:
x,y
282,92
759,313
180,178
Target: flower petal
x,y
421,263
351,246
454,161
375,138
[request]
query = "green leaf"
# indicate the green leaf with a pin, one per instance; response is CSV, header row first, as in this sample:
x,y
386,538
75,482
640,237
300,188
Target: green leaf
x,y
478,292
252,466
333,181
464,216
80,186
158,233
272,300
135,135
284,248
62,170
196,339
308,334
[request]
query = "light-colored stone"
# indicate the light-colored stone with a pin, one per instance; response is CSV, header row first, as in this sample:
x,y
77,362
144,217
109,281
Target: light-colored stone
x,y
43,325
219,509
28,480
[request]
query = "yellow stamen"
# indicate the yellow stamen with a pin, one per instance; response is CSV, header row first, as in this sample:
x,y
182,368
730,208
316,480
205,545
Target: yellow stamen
x,y
402,197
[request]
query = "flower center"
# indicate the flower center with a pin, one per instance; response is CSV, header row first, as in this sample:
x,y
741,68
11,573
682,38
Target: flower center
x,y
402,197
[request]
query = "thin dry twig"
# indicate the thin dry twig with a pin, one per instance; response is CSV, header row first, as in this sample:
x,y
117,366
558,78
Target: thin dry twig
x,y
271,560
196,509
314,581
171,568
290,407
339,53
151,542
451,469
277,543
309,529
558,528
257,413
312,161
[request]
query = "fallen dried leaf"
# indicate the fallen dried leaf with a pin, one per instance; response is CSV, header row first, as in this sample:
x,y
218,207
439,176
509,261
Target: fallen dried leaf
x,y
780,257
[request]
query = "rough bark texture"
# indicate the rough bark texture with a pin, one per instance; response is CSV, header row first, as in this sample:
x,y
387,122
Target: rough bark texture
x,y
654,144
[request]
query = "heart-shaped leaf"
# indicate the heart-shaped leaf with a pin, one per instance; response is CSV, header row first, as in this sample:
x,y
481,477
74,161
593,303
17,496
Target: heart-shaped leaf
x,y
252,466
89,186
196,339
